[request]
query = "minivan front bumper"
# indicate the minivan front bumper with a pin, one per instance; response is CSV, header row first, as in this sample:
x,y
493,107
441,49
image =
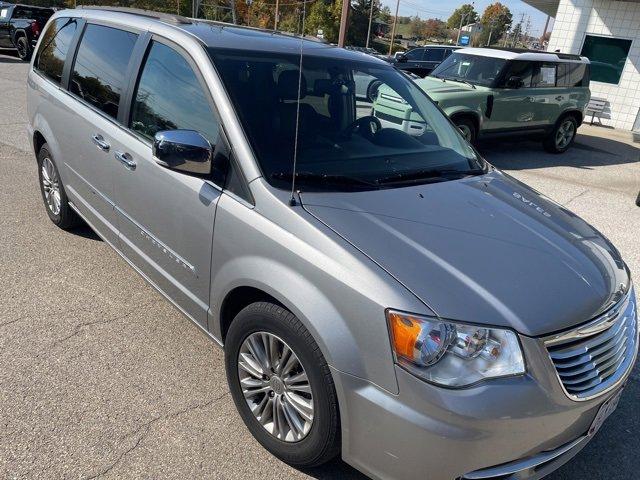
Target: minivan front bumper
x,y
511,428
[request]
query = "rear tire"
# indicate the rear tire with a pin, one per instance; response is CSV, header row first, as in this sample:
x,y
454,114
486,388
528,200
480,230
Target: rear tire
x,y
53,194
468,128
562,136
24,49
319,442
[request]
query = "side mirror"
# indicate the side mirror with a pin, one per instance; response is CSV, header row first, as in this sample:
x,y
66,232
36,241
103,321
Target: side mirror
x,y
401,58
183,150
515,82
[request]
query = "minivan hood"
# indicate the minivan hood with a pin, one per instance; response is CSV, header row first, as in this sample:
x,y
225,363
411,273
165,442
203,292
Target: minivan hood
x,y
485,249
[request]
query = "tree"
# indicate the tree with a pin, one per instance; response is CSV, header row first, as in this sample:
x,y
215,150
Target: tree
x,y
322,16
416,27
465,14
434,28
496,20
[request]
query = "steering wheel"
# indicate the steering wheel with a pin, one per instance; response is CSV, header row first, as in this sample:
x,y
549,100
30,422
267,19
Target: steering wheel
x,y
366,126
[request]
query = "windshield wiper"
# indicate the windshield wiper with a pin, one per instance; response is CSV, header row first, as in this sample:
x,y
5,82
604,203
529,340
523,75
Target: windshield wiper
x,y
432,175
459,79
332,179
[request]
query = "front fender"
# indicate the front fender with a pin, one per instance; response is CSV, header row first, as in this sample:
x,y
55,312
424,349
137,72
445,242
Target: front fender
x,y
338,293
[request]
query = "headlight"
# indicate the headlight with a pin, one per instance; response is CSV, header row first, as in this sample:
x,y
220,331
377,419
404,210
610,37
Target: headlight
x,y
453,354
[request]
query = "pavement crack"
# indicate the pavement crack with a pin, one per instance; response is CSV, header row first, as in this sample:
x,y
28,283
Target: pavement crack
x,y
14,320
78,328
575,197
144,430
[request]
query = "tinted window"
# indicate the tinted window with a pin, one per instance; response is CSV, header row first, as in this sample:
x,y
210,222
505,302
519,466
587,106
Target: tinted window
x,y
522,70
100,66
54,48
608,57
169,97
545,75
572,75
22,12
415,54
434,54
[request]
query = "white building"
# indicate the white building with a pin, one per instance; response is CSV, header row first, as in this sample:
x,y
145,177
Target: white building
x,y
608,32
473,28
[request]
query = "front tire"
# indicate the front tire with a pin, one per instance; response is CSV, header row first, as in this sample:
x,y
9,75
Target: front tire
x,y
53,193
562,136
282,385
24,49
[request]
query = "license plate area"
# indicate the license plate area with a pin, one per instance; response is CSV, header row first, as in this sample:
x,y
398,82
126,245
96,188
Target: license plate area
x,y
606,409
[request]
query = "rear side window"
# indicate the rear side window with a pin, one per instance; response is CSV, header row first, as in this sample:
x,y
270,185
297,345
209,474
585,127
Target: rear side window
x,y
22,12
169,97
573,75
522,70
545,75
54,47
434,54
101,63
4,13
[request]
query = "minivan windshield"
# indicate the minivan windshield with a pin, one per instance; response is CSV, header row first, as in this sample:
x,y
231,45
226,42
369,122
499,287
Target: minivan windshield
x,y
343,142
474,69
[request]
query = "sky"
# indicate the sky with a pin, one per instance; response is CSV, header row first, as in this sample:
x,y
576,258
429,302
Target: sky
x,y
443,9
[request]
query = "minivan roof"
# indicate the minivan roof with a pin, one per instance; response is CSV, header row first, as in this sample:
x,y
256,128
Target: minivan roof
x,y
522,54
229,36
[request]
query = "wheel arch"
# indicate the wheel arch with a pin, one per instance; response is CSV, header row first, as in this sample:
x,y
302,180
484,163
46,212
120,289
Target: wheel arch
x,y
38,141
236,300
470,114
577,114
17,34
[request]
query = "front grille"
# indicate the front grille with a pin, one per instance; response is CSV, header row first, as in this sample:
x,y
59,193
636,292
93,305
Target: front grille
x,y
592,359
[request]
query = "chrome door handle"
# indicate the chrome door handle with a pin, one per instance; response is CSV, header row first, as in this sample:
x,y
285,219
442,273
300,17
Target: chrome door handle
x,y
125,159
559,97
101,143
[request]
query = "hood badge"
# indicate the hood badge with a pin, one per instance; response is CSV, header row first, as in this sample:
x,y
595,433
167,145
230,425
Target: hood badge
x,y
531,204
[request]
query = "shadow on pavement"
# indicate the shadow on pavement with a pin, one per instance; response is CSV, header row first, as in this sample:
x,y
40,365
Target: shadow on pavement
x,y
9,56
588,151
83,230
333,470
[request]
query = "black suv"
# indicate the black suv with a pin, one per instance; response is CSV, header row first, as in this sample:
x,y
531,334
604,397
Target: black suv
x,y
20,27
423,60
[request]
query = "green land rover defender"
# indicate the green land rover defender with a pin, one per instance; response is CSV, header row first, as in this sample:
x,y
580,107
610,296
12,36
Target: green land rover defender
x,y
489,91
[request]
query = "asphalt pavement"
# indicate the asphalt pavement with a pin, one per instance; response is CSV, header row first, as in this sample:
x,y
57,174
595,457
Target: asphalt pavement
x,y
102,377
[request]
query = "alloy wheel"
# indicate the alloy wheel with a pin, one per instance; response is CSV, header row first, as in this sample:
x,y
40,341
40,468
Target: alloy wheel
x,y
565,134
275,386
51,185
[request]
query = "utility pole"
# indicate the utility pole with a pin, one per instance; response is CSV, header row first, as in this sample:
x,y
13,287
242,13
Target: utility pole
x,y
393,30
370,20
275,22
462,17
544,34
344,18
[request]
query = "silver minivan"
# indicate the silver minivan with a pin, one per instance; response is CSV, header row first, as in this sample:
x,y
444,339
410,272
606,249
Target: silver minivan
x,y
389,297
